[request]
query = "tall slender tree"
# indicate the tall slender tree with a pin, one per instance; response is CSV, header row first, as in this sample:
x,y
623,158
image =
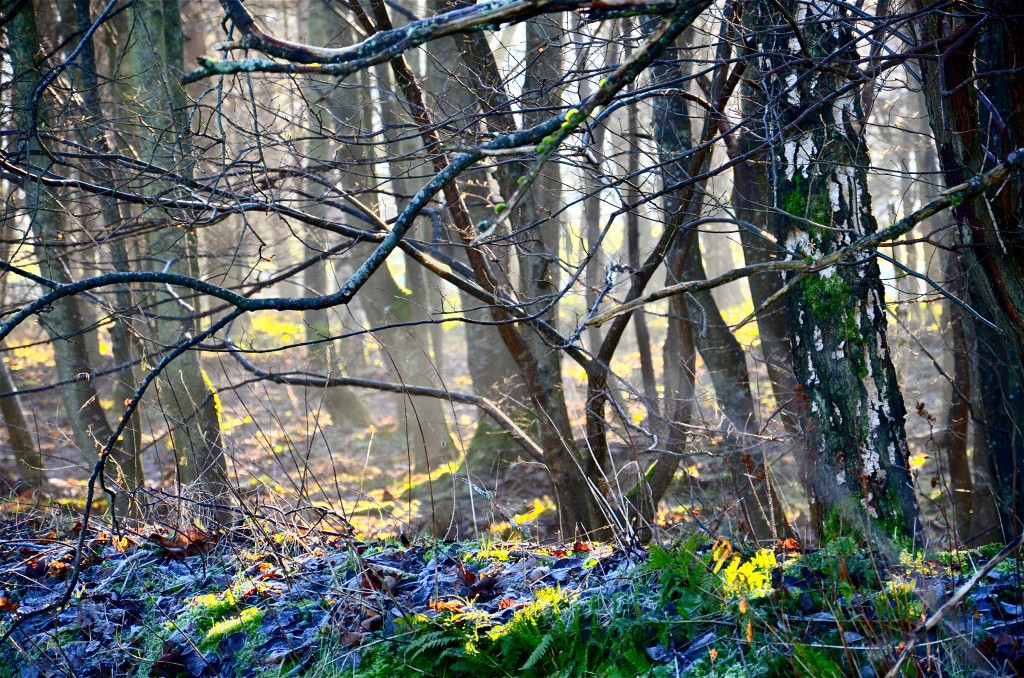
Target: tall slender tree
x,y
975,98
45,214
158,130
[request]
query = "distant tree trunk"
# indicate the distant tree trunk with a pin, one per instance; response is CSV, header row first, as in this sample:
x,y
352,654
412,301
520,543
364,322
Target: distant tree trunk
x,y
970,138
457,66
958,417
124,345
27,460
722,353
536,362
854,416
153,60
331,109
538,252
578,507
632,196
63,323
410,351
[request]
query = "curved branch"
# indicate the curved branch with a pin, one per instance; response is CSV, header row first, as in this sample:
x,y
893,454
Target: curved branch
x,y
386,45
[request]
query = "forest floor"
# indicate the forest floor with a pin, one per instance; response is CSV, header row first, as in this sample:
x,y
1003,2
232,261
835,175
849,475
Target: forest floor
x,y
300,592
261,601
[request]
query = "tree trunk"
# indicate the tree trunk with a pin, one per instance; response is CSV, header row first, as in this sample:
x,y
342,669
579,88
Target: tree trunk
x,y
456,69
958,417
632,196
330,108
970,138
751,199
724,357
854,414
27,460
90,429
409,348
124,345
537,363
153,60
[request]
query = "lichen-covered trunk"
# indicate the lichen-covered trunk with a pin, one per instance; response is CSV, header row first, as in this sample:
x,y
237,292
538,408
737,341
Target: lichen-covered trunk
x,y
853,413
152,62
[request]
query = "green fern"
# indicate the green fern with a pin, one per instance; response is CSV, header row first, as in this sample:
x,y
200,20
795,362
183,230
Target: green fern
x,y
539,651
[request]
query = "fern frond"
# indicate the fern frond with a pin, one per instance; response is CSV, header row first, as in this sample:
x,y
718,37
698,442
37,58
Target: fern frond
x,y
539,651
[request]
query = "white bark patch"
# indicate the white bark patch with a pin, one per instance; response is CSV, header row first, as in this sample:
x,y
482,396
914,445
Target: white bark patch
x,y
793,96
819,343
839,353
834,192
789,152
812,375
866,503
854,201
844,111
798,244
841,478
871,461
805,153
892,454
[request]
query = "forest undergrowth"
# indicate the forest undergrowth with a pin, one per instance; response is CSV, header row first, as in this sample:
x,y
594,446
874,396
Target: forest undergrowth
x,y
263,599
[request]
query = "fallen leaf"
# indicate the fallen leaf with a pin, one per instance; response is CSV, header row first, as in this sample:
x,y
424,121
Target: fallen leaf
x,y
351,638
789,544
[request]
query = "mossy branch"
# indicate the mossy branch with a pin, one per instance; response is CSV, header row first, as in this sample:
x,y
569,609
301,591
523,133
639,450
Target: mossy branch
x,y
385,45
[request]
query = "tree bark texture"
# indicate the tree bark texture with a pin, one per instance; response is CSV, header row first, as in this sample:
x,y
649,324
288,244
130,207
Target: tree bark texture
x,y
853,413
